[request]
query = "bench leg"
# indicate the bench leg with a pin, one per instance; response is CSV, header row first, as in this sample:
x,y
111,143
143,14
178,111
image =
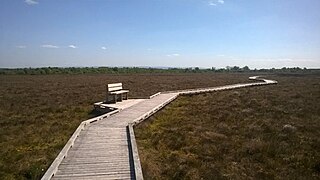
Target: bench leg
x,y
115,98
120,97
126,96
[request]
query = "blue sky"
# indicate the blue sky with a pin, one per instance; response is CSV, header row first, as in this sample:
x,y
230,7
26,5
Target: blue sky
x,y
172,33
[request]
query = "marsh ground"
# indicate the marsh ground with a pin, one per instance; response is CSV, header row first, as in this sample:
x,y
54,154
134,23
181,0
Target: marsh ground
x,y
267,132
38,113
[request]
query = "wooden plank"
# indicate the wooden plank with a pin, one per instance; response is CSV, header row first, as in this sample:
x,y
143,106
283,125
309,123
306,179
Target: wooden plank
x,y
115,88
94,170
92,175
72,163
97,177
89,166
114,85
119,91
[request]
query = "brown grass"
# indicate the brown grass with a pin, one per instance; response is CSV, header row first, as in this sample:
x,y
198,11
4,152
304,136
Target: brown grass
x,y
38,113
237,134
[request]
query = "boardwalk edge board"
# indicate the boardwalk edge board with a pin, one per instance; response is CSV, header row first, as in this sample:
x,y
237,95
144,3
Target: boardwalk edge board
x,y
135,154
156,94
154,110
132,144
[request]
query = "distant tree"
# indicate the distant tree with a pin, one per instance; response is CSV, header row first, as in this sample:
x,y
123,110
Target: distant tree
x,y
235,68
187,70
246,68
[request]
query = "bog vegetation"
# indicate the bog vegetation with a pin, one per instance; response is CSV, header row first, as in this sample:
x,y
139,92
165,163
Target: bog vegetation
x,y
39,113
268,132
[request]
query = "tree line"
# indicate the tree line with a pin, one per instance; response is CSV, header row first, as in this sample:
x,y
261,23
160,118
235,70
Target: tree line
x,y
130,70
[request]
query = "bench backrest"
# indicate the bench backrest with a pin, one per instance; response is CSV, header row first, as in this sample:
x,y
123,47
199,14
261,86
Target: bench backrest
x,y
114,87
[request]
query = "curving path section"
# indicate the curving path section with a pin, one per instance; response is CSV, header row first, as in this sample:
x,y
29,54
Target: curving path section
x,y
105,148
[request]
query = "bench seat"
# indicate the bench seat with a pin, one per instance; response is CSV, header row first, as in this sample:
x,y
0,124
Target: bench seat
x,y
119,92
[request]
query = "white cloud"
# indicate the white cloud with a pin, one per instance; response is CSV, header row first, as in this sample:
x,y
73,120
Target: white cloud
x,y
215,2
173,55
49,46
221,55
212,3
221,1
103,48
21,47
31,2
72,46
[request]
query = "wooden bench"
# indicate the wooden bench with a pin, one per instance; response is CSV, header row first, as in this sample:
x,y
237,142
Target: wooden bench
x,y
116,93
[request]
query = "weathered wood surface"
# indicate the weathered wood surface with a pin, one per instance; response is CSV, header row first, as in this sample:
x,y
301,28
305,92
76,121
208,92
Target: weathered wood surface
x,y
101,150
106,149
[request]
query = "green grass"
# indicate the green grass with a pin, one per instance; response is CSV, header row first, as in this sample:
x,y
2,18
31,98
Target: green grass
x,y
39,113
237,134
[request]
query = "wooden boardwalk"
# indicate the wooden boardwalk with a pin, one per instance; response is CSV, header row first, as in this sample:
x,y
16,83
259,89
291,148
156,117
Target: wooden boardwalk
x,y
101,151
106,149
